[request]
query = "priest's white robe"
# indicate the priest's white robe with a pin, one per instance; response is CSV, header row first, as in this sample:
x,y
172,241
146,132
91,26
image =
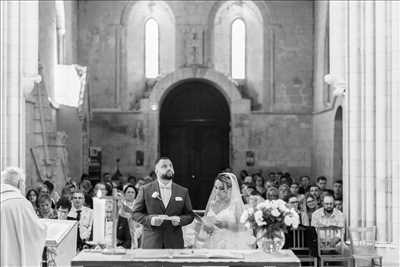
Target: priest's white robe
x,y
23,236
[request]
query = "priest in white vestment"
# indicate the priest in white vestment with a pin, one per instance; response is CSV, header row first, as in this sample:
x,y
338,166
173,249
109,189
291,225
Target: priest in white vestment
x,y
23,236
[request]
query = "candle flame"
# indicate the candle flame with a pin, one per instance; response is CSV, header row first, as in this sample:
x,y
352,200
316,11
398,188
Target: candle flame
x,y
98,194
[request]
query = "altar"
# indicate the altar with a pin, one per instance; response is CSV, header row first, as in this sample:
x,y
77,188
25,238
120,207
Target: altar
x,y
186,257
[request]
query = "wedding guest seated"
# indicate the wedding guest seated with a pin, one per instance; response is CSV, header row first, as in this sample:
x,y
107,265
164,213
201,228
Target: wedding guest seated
x,y
72,185
106,178
129,231
271,176
259,183
132,179
52,193
286,178
109,188
100,187
294,189
321,182
114,184
123,181
84,177
246,190
140,183
325,192
268,183
41,188
83,215
284,192
248,179
338,189
32,196
272,193
66,193
293,203
284,181
339,204
305,184
45,210
63,207
310,204
310,236
86,187
315,192
328,215
242,175
254,199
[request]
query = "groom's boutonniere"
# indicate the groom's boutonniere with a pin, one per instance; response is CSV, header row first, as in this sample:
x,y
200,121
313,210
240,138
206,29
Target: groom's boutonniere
x,y
156,195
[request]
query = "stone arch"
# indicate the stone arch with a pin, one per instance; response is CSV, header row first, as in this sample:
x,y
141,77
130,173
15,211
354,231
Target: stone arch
x,y
256,15
126,12
150,107
264,12
220,81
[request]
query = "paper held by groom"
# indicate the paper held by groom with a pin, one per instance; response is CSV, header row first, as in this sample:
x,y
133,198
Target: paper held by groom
x,y
163,207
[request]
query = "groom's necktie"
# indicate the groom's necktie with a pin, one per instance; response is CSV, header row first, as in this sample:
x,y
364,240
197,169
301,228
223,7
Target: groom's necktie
x,y
165,194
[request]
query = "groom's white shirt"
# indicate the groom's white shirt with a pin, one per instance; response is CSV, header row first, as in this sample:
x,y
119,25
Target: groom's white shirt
x,y
165,190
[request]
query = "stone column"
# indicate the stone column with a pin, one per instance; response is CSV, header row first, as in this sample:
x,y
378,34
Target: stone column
x,y
338,28
381,105
394,120
19,70
393,98
3,81
353,123
369,114
15,141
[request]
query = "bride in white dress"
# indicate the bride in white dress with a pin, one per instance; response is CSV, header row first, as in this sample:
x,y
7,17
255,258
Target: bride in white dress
x,y
221,228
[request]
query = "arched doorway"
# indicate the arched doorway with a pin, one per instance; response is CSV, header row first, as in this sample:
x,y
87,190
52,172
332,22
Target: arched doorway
x,y
194,133
338,146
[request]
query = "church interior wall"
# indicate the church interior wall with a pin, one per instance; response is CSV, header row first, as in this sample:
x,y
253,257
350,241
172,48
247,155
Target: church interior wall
x,y
71,32
292,25
53,163
48,43
69,122
120,136
324,113
279,142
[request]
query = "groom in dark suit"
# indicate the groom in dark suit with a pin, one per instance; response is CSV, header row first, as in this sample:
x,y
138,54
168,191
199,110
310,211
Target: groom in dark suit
x,y
163,207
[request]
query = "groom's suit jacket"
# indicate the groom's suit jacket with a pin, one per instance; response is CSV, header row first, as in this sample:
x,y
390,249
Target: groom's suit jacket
x,y
148,204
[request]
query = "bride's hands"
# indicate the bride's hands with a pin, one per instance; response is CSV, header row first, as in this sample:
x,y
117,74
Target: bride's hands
x,y
208,228
221,224
211,222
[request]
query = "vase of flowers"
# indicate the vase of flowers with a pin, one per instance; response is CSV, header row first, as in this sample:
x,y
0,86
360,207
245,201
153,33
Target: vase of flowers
x,y
269,220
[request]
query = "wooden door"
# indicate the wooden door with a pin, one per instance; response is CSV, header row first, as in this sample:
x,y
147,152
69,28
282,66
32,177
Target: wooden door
x,y
194,133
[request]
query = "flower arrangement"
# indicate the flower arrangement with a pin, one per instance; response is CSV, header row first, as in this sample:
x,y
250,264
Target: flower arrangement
x,y
270,218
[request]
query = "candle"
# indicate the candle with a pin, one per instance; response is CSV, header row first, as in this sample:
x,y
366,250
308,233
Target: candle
x,y
99,215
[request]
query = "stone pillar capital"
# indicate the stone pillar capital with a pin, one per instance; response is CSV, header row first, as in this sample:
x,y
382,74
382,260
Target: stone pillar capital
x,y
339,84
